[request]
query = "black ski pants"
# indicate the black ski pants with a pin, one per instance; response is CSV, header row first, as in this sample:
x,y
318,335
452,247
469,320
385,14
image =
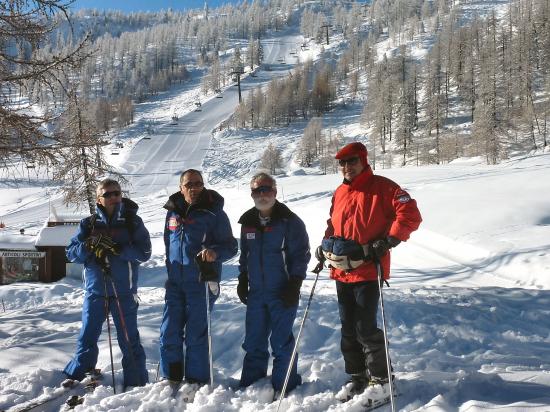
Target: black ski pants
x,y
362,341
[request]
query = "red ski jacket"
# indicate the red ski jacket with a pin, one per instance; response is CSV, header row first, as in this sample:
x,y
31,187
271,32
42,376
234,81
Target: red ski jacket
x,y
370,207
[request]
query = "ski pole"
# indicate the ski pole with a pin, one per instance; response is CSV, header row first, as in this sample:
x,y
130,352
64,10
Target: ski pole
x,y
125,329
109,328
317,270
208,319
386,346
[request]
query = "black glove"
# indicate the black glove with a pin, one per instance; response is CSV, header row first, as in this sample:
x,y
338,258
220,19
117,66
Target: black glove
x,y
380,247
242,287
290,295
102,246
319,254
392,241
207,270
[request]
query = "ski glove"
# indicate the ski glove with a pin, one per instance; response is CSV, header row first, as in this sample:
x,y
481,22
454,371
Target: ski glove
x,y
102,246
207,270
319,255
380,247
290,295
242,287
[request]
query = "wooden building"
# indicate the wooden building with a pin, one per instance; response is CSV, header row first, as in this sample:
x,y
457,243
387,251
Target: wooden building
x,y
27,258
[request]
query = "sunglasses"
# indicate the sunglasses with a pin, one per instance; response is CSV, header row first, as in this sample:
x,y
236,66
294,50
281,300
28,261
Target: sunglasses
x,y
191,185
351,161
262,189
115,193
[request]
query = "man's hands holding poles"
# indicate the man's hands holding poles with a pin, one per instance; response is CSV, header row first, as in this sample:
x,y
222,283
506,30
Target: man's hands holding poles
x,y
346,254
380,247
102,246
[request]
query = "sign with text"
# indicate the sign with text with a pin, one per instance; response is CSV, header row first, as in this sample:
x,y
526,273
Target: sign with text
x,y
22,253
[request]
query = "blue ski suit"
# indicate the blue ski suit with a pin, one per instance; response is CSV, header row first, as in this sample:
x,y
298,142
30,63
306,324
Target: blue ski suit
x,y
128,231
270,255
188,230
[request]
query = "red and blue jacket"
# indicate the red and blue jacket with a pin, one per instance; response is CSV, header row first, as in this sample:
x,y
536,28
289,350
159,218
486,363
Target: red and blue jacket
x,y
368,208
191,228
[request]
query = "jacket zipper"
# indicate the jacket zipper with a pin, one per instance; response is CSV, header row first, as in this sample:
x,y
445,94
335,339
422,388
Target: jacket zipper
x,y
181,242
261,232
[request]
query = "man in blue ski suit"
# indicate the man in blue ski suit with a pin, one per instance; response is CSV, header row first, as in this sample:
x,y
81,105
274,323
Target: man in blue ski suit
x,y
196,226
273,263
111,244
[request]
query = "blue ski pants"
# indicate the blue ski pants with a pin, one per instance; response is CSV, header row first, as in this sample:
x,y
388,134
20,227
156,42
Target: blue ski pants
x,y
184,322
269,319
93,317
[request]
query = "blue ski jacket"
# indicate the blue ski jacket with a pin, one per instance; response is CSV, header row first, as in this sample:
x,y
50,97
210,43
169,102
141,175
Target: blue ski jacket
x,y
191,228
127,229
272,253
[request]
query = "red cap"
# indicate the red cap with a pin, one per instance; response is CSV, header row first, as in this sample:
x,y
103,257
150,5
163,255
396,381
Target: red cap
x,y
353,149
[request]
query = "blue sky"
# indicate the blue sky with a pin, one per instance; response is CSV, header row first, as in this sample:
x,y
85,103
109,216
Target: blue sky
x,y
146,5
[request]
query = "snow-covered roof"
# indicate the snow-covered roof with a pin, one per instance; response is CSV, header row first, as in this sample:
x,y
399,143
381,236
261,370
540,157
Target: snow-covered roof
x,y
16,241
73,218
56,235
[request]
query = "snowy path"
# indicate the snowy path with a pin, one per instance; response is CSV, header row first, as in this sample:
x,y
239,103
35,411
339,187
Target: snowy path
x,y
154,165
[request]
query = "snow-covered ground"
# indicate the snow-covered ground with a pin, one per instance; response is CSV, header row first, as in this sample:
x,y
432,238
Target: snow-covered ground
x,y
467,310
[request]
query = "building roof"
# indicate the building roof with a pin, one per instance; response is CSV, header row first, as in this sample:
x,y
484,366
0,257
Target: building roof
x,y
12,241
56,235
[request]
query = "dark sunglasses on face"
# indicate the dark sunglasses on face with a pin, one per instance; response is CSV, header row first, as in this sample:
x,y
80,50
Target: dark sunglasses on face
x,y
352,161
191,185
262,189
115,193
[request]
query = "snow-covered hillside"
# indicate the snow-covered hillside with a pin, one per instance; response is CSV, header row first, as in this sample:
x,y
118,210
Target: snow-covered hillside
x,y
467,310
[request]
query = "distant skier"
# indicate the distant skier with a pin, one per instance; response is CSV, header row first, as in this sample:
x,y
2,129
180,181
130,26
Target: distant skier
x,y
196,225
111,244
273,263
369,215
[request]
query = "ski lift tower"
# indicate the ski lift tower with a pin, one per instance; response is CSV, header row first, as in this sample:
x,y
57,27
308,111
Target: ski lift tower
x,y
238,73
326,26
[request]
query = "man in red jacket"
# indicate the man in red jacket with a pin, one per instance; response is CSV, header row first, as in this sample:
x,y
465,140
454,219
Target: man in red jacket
x,y
369,215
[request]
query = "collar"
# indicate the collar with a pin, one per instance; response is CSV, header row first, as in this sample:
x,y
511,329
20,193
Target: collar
x,y
252,217
123,209
360,180
102,213
207,200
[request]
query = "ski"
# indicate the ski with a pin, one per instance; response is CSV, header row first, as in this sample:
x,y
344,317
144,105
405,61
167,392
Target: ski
x,y
41,400
57,393
188,391
78,399
74,401
371,404
175,387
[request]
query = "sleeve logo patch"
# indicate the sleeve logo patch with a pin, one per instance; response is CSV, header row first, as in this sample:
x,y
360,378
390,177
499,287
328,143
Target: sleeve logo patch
x,y
403,198
173,223
251,236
